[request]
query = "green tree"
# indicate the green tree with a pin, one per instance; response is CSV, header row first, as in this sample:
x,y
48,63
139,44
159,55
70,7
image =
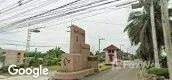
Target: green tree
x,y
56,52
139,31
91,54
53,56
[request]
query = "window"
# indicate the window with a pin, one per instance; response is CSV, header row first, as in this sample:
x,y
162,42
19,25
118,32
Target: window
x,y
109,51
112,51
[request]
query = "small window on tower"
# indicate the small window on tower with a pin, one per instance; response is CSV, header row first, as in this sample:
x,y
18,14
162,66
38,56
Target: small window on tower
x,y
109,51
112,51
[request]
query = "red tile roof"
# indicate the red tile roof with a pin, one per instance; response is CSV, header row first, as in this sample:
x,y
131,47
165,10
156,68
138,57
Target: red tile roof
x,y
111,47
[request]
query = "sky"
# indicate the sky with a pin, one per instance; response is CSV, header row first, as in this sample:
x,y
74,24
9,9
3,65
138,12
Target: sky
x,y
108,24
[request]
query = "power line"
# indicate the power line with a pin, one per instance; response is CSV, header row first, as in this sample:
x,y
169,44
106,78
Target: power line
x,y
112,9
21,42
68,13
11,40
102,22
89,7
2,1
74,8
17,15
23,20
88,16
8,43
13,6
16,8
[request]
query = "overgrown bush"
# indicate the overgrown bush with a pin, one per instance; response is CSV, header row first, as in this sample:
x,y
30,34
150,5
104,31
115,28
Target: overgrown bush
x,y
159,72
101,59
21,65
93,58
4,69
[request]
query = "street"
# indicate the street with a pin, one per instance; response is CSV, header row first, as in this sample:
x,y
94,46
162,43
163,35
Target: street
x,y
123,74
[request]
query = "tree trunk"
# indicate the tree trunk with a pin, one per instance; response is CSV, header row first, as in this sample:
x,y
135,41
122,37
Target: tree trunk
x,y
167,34
154,38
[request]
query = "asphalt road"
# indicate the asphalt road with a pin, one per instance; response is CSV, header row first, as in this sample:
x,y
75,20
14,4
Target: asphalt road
x,y
123,74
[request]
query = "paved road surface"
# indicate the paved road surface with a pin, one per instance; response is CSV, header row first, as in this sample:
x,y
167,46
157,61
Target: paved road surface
x,y
123,74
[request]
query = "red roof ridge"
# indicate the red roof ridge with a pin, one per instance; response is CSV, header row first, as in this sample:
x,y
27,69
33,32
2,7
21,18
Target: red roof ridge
x,y
111,47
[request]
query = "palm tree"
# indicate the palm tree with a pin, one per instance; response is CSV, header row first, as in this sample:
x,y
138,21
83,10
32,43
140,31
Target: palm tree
x,y
139,31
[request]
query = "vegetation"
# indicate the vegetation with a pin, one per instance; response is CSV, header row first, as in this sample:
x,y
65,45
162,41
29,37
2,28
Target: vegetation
x,y
97,57
140,34
4,69
51,57
103,67
159,72
53,68
139,30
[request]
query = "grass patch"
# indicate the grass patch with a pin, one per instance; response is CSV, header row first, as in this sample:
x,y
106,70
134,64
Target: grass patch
x,y
53,68
103,67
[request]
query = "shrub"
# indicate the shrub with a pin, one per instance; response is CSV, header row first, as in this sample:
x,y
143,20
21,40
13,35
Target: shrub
x,y
21,65
4,69
159,72
93,58
104,67
101,59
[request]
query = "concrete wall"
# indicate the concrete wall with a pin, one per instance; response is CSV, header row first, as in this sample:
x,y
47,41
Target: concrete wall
x,y
77,59
77,37
13,57
71,62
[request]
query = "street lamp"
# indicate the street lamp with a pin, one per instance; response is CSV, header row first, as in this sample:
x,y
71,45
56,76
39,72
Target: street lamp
x,y
35,30
99,42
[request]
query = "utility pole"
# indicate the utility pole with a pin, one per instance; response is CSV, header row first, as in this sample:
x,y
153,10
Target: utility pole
x,y
154,38
167,34
28,40
99,42
35,30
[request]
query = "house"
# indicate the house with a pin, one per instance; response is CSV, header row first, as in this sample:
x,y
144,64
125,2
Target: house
x,y
111,54
13,57
115,56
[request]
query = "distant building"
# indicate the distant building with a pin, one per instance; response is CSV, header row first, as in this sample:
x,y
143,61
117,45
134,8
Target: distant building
x,y
114,55
13,57
111,54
